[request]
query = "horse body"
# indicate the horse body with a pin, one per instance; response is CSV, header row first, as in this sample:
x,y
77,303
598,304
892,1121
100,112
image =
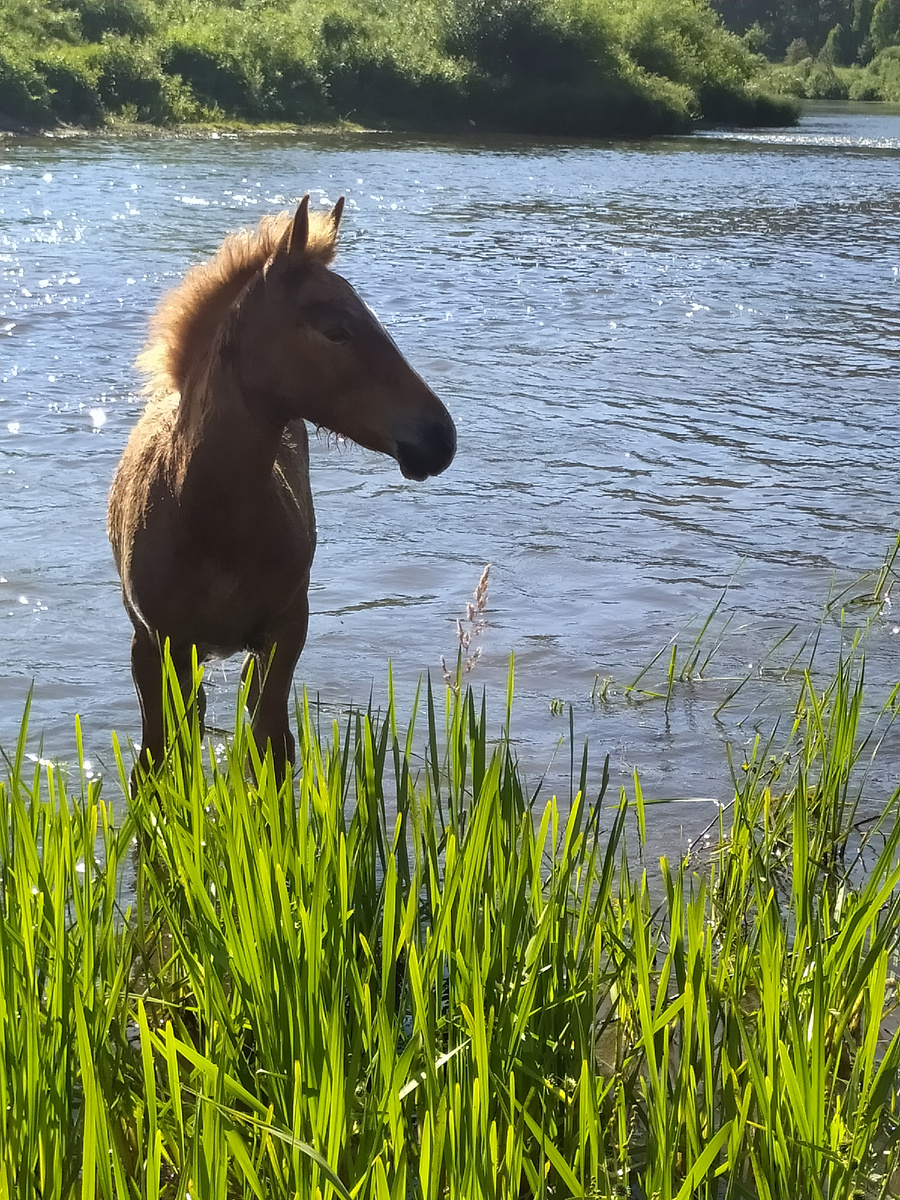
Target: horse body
x,y
211,517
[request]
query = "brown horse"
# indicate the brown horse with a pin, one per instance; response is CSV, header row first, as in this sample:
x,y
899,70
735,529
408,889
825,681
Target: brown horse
x,y
210,514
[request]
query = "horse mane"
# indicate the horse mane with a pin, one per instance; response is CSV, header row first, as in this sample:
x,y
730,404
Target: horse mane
x,y
188,317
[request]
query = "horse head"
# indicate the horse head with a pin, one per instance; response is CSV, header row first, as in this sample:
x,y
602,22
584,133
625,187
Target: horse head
x,y
303,344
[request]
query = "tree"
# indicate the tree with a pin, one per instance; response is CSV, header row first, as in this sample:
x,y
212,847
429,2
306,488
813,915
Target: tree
x,y
884,30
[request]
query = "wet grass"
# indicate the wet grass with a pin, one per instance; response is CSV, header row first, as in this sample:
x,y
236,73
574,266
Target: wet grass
x,y
401,975
706,659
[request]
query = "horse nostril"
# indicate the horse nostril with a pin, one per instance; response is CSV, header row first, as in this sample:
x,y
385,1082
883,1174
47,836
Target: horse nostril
x,y
429,453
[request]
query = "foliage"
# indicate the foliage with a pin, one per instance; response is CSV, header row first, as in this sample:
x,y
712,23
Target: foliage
x,y
72,77
126,18
858,29
594,67
798,51
811,79
884,30
880,80
237,65
23,88
818,79
131,82
399,974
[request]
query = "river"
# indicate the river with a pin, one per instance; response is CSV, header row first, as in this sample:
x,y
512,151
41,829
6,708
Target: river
x,y
673,367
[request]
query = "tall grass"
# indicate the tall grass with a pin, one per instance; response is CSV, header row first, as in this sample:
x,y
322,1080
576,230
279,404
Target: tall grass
x,y
398,974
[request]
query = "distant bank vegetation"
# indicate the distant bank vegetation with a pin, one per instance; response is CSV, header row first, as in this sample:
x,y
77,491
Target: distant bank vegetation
x,y
822,49
577,67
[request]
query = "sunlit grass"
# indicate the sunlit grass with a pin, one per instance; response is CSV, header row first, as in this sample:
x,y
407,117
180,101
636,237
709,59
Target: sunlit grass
x,y
401,975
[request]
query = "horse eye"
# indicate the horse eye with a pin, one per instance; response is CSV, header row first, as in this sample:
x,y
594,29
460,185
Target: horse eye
x,y
339,334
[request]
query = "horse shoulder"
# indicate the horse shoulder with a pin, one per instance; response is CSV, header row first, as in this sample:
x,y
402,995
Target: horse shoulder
x,y
144,466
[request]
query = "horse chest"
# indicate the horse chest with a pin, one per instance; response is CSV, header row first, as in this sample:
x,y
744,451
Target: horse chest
x,y
254,577
224,580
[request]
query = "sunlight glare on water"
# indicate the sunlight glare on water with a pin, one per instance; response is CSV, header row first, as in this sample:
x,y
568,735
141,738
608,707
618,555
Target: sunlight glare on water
x,y
672,365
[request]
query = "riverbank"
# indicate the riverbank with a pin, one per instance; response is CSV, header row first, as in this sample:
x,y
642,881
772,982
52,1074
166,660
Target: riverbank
x,y
819,78
406,974
538,66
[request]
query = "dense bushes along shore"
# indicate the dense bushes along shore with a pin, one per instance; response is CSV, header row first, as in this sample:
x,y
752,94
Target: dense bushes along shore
x,y
580,67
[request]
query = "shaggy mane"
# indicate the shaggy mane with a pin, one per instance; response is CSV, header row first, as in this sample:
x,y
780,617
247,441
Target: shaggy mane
x,y
188,317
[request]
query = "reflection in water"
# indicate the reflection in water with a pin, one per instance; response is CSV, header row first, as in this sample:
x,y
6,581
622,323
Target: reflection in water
x,y
664,359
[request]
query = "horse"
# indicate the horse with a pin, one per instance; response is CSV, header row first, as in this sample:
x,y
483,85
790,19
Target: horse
x,y
210,513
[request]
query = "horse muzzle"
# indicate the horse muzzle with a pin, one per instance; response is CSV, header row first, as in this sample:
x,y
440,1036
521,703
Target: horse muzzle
x,y
429,452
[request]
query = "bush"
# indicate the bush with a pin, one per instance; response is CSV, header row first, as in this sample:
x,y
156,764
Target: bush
x,y
132,84
885,28
633,105
23,91
216,77
824,83
742,107
579,67
99,18
241,66
810,79
528,39
71,81
880,80
28,22
376,87
290,84
797,52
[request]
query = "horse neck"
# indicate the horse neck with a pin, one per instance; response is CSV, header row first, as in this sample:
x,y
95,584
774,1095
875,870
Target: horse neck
x,y
227,452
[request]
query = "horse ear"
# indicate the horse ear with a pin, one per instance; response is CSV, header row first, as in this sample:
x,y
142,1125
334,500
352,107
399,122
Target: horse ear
x,y
298,233
336,215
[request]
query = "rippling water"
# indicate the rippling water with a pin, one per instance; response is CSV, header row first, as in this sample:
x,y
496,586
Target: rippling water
x,y
668,361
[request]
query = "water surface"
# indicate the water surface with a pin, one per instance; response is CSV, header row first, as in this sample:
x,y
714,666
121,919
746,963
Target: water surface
x,y
669,362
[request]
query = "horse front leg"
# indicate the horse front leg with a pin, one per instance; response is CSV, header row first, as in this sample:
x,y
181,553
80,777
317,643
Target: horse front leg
x,y
150,685
146,671
270,689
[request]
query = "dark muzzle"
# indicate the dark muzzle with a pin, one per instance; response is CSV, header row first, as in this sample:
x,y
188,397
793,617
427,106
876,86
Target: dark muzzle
x,y
431,452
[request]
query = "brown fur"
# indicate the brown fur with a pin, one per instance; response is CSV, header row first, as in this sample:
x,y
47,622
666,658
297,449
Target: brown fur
x,y
210,513
190,315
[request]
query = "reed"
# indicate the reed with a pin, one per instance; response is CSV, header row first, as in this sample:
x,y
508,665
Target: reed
x,y
398,974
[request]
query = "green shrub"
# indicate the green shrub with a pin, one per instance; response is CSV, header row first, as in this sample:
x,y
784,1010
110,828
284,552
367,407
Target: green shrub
x,y
25,20
529,39
722,105
684,41
99,18
132,84
786,81
627,104
880,80
248,68
824,83
23,92
216,76
810,79
290,84
884,30
580,67
71,79
377,87
798,51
